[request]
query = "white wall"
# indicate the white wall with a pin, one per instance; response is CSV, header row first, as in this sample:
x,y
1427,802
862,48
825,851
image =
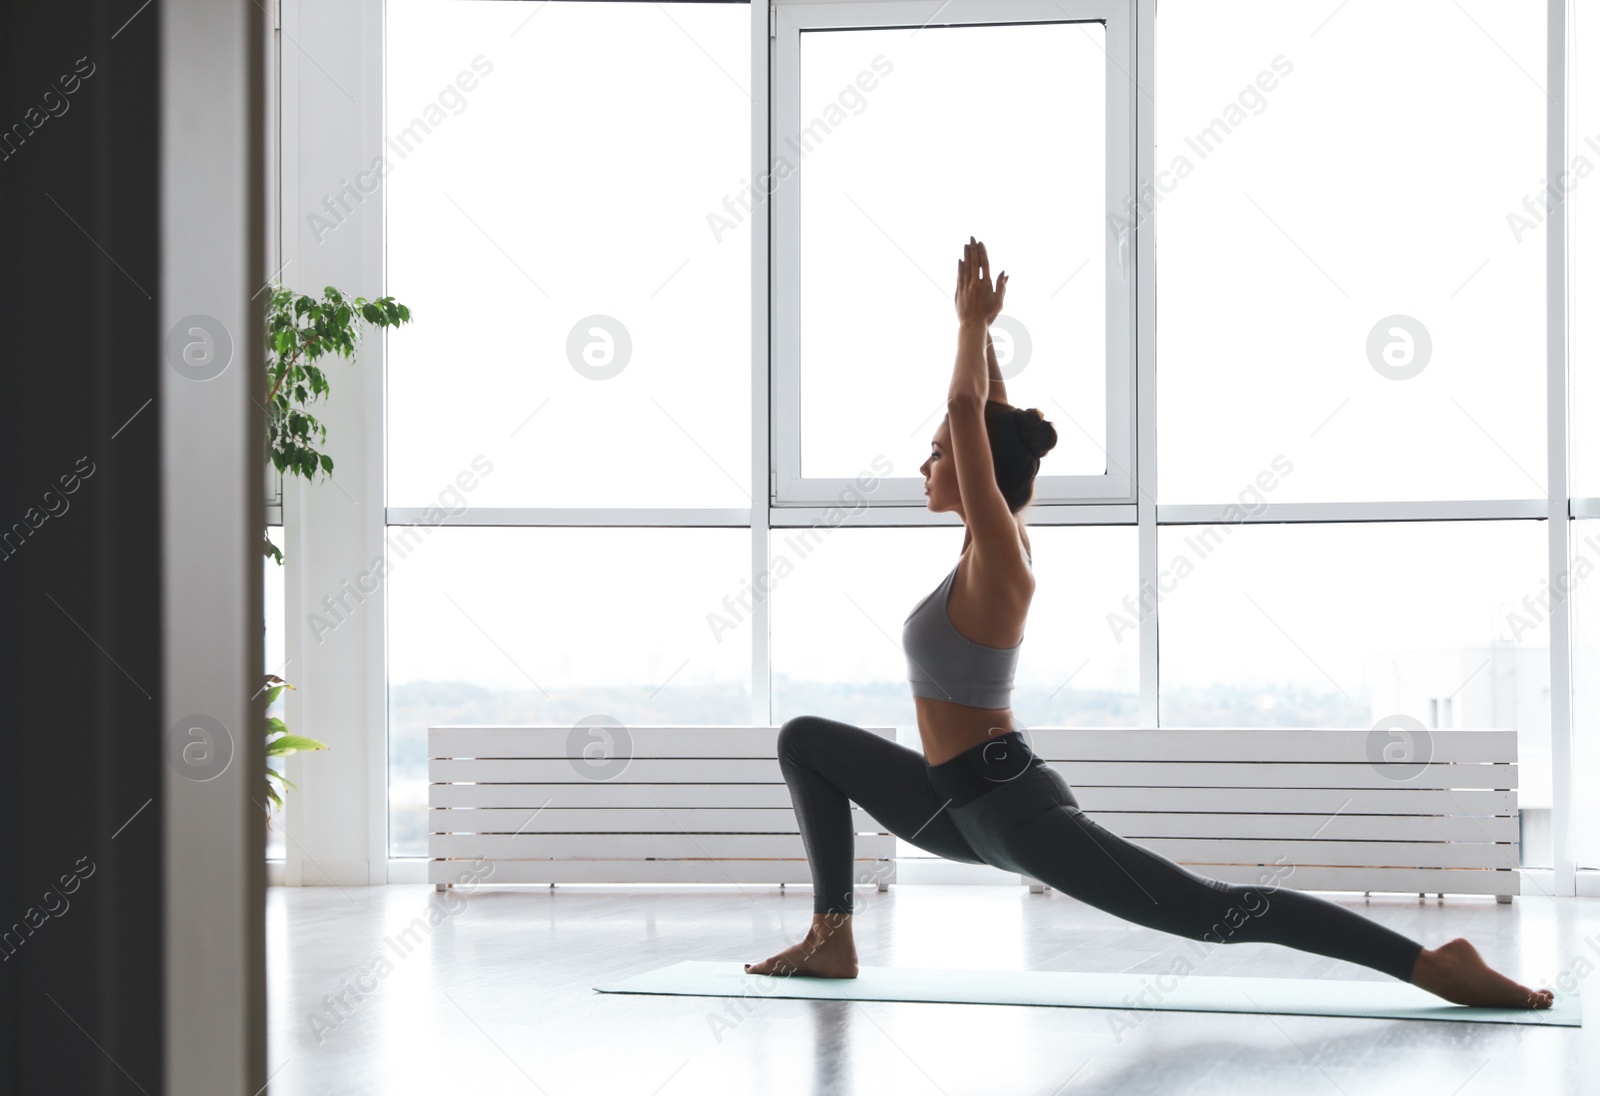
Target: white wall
x,y
332,130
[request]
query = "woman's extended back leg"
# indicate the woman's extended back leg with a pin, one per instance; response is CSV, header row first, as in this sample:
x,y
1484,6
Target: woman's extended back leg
x,y
1062,846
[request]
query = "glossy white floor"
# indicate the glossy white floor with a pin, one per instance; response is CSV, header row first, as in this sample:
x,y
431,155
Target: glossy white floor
x,y
494,996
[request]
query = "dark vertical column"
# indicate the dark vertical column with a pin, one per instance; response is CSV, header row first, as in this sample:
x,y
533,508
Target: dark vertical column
x,y
80,548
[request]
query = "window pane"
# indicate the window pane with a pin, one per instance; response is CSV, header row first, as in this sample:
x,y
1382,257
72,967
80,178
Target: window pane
x,y
1586,691
1348,273
1343,625
576,319
893,182
505,625
837,616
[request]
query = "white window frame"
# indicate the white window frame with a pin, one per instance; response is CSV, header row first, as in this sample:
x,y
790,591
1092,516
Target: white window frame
x,y
790,21
321,123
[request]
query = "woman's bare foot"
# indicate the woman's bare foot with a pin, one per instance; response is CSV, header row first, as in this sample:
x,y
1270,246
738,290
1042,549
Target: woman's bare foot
x,y
1456,972
828,951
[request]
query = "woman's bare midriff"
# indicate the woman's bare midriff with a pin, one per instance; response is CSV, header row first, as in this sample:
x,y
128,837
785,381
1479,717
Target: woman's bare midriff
x,y
949,729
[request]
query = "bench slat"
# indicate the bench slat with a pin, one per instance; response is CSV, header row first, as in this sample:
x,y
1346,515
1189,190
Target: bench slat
x,y
1449,746
600,795
1309,827
1321,801
1240,774
1411,881
646,820
1340,745
1194,774
658,741
648,871
639,846
1389,854
1306,827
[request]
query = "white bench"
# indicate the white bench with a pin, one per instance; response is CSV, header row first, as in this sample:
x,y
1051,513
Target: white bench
x,y
708,805
558,804
1236,804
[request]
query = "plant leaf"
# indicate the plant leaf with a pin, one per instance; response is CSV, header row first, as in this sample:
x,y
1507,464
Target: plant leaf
x,y
290,743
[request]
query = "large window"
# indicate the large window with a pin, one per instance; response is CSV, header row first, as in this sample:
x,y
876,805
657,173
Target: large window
x,y
888,159
531,625
1337,279
578,319
1349,624
1351,334
1313,489
581,341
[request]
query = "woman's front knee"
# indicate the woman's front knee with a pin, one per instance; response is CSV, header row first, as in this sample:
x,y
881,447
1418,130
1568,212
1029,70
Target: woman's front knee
x,y
795,733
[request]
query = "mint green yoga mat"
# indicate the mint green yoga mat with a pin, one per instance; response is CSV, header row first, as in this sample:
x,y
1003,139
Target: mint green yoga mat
x,y
1391,1000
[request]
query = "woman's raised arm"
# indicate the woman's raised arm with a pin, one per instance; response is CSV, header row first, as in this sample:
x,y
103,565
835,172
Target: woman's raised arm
x,y
997,383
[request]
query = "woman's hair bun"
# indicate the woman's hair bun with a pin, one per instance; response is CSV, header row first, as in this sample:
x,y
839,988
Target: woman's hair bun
x,y
1037,432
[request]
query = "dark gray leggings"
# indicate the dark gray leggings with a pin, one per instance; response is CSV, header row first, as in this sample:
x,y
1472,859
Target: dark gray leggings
x,y
1032,825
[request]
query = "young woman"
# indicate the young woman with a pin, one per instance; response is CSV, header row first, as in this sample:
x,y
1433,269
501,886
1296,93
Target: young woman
x,y
977,793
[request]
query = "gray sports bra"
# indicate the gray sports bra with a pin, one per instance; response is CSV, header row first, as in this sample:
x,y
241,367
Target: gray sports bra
x,y
943,664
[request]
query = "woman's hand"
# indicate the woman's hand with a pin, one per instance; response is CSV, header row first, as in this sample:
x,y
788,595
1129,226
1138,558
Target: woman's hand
x,y
999,297
978,299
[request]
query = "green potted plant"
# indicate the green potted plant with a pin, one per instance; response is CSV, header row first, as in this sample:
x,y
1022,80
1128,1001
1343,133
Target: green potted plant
x,y
301,330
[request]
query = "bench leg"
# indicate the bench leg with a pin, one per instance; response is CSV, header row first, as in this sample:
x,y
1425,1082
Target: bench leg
x,y
883,887
438,886
1503,899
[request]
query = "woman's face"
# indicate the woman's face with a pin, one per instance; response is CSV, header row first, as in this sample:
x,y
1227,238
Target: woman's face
x,y
939,472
